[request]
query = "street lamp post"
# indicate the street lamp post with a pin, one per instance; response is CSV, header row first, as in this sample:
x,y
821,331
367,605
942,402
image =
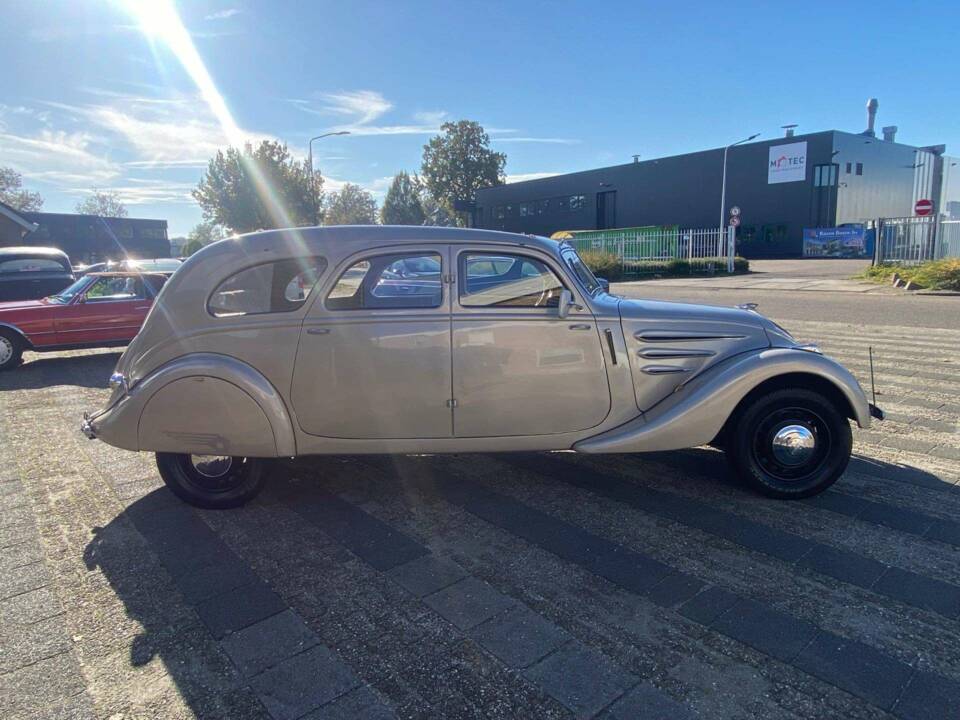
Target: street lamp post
x,y
313,180
723,184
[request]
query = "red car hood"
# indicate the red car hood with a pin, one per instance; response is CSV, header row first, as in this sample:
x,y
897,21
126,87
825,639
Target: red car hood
x,y
22,305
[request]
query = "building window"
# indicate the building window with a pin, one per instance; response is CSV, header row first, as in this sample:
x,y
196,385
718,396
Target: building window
x,y
825,175
543,207
848,168
577,202
859,168
498,212
527,209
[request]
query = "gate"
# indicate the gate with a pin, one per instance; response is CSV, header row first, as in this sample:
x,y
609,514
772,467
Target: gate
x,y
912,240
659,248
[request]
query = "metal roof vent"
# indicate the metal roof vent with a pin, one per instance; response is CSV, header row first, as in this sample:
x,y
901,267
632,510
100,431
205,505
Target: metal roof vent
x,y
788,130
890,133
872,105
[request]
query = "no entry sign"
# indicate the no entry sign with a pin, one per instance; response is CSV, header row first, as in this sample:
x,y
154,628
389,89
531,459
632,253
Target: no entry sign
x,y
923,207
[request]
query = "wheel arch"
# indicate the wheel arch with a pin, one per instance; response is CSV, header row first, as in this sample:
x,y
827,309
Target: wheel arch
x,y
790,380
19,333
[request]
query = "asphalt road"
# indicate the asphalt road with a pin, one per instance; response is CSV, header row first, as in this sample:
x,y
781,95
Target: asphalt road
x,y
496,586
886,307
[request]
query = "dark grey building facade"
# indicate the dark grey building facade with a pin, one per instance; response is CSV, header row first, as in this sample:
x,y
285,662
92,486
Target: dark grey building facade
x,y
90,238
781,186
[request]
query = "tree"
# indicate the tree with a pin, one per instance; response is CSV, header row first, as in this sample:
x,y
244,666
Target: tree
x,y
103,203
259,189
434,213
401,206
458,162
13,194
205,233
191,247
351,206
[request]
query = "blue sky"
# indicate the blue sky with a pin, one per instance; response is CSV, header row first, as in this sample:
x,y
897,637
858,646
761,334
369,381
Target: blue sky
x,y
90,100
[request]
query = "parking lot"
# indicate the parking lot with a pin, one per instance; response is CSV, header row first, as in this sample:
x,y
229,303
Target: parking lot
x,y
529,586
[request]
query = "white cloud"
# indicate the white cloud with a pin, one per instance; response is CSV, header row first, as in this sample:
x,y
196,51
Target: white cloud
x,y
223,14
361,106
57,157
141,191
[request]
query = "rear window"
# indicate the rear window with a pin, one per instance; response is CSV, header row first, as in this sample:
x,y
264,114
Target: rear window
x,y
281,286
31,265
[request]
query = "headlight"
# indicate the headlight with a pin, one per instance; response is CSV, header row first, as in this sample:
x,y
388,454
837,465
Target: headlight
x,y
117,380
810,347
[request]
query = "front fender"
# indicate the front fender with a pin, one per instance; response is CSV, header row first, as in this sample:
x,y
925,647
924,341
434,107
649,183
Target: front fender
x,y
697,411
200,403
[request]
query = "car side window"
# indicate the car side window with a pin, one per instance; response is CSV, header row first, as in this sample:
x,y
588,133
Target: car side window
x,y
396,281
273,287
507,280
31,265
113,289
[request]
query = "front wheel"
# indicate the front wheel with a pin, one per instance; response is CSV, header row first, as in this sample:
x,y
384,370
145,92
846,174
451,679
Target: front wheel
x,y
11,350
211,481
790,443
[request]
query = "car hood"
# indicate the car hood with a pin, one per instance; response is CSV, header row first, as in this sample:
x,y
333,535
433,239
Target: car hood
x,y
670,343
18,305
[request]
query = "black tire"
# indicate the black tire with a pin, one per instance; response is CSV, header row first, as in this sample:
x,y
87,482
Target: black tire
x,y
813,445
226,483
11,350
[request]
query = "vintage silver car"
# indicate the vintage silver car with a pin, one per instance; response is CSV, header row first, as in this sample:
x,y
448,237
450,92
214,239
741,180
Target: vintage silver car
x,y
347,340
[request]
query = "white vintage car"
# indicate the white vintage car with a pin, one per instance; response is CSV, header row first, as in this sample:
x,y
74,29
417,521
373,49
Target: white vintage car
x,y
346,340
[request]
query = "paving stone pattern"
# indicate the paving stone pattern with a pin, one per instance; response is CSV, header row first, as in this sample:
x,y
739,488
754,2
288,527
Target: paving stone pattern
x,y
529,585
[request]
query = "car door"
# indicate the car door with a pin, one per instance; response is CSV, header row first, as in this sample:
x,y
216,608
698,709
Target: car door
x,y
518,367
374,355
110,310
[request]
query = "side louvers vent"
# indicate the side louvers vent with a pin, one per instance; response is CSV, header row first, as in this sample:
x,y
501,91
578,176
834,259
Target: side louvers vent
x,y
662,336
673,353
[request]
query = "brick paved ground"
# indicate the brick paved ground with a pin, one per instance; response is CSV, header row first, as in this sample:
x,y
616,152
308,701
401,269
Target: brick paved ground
x,y
547,586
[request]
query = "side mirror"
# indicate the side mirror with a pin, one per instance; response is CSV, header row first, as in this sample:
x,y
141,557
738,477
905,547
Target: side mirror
x,y
566,301
604,284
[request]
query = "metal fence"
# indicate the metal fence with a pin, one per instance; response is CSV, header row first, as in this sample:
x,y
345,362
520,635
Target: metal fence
x,y
912,240
659,248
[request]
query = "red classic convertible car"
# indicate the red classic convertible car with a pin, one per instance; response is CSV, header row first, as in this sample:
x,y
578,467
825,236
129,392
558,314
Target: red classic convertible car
x,y
98,310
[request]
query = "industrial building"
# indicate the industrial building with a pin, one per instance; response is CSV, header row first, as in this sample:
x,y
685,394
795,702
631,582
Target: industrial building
x,y
781,186
85,238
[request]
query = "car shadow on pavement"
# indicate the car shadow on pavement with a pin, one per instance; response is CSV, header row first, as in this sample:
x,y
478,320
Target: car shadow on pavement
x,y
181,588
92,371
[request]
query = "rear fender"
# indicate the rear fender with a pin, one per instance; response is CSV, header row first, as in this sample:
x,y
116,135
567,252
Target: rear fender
x,y
698,410
202,403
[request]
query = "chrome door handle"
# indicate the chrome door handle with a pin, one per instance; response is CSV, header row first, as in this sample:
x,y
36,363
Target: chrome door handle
x,y
318,331
580,326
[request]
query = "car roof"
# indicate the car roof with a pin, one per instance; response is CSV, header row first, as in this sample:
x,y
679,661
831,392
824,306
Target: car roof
x,y
29,251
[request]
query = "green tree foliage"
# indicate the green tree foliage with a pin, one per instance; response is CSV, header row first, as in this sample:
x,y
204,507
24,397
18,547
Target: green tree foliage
x,y
105,203
401,206
458,162
205,233
435,213
191,247
259,189
13,194
352,205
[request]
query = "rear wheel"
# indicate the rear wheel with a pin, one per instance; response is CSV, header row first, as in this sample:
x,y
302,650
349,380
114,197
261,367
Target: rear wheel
x,y
211,481
791,443
11,350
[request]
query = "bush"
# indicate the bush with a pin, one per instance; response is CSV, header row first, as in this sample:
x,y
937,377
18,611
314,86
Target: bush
x,y
933,274
606,265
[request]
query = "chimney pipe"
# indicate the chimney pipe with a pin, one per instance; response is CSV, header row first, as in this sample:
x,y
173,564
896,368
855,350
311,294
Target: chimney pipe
x,y
872,105
890,133
636,158
788,130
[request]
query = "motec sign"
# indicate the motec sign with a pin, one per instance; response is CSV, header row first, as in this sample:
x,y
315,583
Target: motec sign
x,y
787,163
923,207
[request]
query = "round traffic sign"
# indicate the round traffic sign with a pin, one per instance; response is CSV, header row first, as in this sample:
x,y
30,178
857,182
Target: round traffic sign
x,y
735,221
735,211
923,207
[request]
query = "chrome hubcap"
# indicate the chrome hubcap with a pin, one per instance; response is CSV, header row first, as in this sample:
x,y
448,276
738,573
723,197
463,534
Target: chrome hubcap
x,y
794,445
6,349
212,466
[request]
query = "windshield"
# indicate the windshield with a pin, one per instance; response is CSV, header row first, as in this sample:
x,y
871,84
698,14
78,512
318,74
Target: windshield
x,y
70,292
580,269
